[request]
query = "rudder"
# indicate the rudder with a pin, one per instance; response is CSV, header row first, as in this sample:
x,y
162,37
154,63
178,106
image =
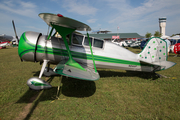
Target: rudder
x,y
155,51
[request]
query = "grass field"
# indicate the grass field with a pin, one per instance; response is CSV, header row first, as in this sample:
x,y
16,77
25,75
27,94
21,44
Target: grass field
x,y
116,95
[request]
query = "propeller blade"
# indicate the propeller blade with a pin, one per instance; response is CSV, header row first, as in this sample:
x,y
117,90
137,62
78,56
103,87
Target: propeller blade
x,y
15,30
16,35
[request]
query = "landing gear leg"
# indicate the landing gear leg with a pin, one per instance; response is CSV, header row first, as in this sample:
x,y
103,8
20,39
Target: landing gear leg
x,y
43,67
59,87
161,76
48,67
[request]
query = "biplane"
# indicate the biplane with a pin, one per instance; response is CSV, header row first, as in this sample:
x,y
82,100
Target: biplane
x,y
78,56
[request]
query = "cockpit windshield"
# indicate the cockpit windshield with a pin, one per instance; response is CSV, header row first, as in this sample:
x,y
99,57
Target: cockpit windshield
x,y
98,43
86,41
77,39
82,40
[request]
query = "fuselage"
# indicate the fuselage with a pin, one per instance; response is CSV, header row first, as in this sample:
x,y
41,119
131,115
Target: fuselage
x,y
35,47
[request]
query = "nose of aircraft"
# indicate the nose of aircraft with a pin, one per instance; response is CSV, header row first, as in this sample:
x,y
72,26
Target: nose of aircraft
x,y
28,45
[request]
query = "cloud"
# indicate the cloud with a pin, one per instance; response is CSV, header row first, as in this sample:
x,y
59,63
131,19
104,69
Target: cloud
x,y
91,20
79,7
19,7
151,8
145,14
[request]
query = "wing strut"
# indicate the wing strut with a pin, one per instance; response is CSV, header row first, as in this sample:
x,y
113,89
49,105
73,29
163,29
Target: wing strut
x,y
43,67
50,33
64,31
92,53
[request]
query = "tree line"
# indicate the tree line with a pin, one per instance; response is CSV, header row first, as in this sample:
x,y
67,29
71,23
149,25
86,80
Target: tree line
x,y
157,34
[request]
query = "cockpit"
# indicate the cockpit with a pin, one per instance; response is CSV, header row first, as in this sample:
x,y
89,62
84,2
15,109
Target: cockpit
x,y
82,40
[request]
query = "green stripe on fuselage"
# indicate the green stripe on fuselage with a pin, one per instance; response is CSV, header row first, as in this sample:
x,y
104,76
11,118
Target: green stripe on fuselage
x,y
25,46
79,55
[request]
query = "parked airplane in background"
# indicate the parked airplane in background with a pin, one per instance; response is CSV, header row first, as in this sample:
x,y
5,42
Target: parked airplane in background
x,y
8,38
4,40
78,56
3,44
173,42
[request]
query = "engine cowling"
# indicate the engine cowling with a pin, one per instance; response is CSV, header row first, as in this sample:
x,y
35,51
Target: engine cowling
x,y
28,45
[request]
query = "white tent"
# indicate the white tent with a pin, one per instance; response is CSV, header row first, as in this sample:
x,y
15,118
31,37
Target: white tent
x,y
175,37
165,36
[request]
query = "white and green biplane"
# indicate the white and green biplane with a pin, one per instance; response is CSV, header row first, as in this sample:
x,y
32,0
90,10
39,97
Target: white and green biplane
x,y
79,56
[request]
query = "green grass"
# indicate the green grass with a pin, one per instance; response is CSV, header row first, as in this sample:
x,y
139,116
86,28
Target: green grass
x,y
116,95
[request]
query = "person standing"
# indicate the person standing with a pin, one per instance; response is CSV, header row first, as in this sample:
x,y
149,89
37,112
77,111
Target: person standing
x,y
168,45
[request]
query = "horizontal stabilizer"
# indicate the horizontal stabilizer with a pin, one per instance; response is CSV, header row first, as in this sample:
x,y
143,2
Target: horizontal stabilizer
x,y
74,72
163,64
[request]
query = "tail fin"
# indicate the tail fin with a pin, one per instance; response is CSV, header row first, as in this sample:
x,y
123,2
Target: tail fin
x,y
155,53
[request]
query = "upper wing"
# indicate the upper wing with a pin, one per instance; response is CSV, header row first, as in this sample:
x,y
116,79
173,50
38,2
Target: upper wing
x,y
64,21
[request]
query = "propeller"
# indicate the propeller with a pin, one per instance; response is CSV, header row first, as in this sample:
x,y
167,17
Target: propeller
x,y
16,35
15,30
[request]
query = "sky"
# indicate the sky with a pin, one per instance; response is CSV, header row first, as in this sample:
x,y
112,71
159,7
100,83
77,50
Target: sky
x,y
130,16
